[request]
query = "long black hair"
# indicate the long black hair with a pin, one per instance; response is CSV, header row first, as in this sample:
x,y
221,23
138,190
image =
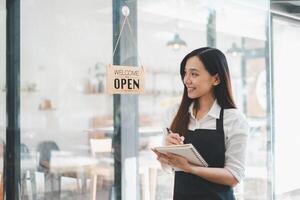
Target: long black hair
x,y
214,62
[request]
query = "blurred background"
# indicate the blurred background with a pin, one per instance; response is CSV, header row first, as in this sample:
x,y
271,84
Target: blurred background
x,y
74,135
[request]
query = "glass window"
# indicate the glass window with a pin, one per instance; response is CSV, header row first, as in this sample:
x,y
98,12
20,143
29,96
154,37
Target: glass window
x,y
66,118
245,49
159,23
286,46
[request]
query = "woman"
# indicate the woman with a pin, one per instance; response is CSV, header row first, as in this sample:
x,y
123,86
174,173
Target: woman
x,y
207,118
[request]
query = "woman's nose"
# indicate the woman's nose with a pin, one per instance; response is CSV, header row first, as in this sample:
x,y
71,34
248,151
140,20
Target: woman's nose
x,y
186,80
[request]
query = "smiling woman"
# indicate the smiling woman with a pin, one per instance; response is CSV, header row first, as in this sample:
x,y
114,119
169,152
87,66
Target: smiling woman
x,y
208,119
65,48
197,79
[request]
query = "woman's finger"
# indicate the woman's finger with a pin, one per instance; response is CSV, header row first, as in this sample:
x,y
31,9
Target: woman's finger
x,y
176,136
163,160
163,156
157,153
173,141
173,156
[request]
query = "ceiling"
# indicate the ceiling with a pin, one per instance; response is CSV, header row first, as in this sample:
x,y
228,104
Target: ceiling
x,y
291,7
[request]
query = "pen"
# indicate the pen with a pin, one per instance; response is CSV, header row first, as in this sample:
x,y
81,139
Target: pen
x,y
168,130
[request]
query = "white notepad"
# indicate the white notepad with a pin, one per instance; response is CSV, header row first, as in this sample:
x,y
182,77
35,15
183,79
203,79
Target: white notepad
x,y
186,150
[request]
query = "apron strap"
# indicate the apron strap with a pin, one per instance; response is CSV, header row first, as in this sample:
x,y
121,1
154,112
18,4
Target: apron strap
x,y
220,122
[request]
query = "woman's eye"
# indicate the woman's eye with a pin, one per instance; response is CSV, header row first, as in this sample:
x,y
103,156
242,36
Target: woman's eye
x,y
195,74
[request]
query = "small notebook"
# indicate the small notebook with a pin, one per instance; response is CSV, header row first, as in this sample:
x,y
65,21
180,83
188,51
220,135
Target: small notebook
x,y
186,150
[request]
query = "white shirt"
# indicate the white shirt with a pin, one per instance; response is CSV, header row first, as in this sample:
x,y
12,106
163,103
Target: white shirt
x,y
236,132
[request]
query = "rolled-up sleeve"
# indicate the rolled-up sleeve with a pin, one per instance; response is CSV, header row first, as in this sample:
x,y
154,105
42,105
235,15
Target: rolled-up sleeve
x,y
236,145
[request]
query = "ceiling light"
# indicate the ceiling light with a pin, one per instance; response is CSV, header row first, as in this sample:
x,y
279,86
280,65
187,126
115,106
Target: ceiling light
x,y
176,43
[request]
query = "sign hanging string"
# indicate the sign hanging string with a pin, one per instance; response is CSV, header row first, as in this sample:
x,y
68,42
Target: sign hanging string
x,y
132,37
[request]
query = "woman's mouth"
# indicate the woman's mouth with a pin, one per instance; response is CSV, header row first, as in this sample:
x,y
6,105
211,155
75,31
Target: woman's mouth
x,y
190,89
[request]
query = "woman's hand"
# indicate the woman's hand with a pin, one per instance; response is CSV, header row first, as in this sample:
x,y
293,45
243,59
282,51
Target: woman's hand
x,y
179,162
174,139
173,160
162,158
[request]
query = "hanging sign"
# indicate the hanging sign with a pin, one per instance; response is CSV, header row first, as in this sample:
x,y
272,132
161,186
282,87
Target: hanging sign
x,y
124,79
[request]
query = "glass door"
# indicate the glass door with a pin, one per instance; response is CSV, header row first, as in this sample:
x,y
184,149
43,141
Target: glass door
x,y
66,118
170,29
286,46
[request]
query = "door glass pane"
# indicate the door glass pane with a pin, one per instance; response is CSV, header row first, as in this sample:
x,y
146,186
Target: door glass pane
x,y
193,21
159,22
286,97
66,118
2,91
245,50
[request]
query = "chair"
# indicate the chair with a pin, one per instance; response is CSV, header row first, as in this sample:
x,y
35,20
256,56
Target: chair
x,y
52,181
27,174
47,149
101,148
148,168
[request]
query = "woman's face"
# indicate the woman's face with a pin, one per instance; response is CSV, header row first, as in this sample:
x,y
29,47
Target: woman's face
x,y
197,79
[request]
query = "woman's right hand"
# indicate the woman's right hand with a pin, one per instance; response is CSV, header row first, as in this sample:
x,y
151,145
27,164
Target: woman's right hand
x,y
174,139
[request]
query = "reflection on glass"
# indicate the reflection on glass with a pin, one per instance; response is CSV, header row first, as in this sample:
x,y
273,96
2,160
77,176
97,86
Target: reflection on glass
x,y
66,118
64,110
249,60
156,24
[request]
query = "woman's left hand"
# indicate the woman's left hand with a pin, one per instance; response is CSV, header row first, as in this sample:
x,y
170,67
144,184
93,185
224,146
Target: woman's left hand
x,y
179,162
173,160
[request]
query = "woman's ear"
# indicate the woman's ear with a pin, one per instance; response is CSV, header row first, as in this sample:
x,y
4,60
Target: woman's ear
x,y
216,80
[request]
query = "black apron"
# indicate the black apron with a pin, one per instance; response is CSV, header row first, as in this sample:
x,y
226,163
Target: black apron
x,y
211,145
